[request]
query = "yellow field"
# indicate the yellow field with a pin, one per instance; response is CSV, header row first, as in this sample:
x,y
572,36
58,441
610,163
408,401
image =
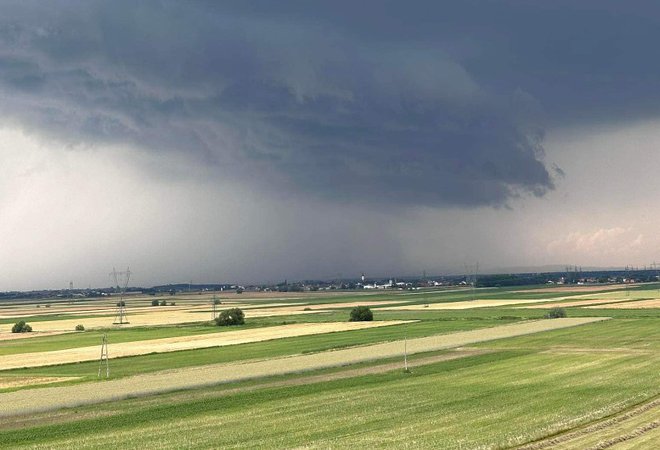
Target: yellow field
x,y
7,336
173,344
638,304
132,308
576,288
595,301
151,317
465,304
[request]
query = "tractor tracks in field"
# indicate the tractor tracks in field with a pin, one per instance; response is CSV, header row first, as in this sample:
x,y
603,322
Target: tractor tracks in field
x,y
601,426
626,437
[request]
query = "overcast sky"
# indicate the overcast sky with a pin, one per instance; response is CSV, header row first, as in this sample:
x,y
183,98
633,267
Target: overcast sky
x,y
256,141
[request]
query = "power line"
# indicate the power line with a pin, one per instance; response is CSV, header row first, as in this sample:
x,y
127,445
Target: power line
x,y
121,280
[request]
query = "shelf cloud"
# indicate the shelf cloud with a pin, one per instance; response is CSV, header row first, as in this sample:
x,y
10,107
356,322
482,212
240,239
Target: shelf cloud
x,y
296,103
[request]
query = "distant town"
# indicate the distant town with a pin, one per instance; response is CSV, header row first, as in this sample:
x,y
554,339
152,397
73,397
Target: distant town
x,y
571,276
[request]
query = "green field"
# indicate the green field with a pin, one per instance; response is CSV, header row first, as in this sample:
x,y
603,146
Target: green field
x,y
576,385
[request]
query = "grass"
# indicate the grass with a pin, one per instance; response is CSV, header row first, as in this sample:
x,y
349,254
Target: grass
x,y
525,389
519,394
279,347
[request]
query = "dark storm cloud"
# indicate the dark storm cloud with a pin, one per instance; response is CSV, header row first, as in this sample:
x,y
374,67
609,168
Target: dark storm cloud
x,y
425,102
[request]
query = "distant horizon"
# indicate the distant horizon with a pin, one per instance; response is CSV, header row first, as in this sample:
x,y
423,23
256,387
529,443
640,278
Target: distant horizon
x,y
305,139
549,269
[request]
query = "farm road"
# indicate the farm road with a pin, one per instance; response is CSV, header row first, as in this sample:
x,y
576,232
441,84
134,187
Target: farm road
x,y
52,398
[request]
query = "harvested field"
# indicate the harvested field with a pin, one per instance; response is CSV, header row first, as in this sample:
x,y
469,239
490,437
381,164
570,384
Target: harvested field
x,y
50,398
638,426
245,296
352,304
639,304
153,317
67,414
110,309
13,336
320,307
465,304
632,294
594,301
173,344
575,288
9,382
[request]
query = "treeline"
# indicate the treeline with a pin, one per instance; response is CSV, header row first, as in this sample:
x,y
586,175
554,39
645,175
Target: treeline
x,y
522,279
504,280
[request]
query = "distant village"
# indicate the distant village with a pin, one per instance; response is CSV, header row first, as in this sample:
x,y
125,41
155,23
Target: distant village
x,y
571,276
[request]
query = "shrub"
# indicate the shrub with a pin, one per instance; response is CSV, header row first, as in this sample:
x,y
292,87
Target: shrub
x,y
509,318
154,303
163,303
217,301
21,327
361,314
80,327
232,316
556,313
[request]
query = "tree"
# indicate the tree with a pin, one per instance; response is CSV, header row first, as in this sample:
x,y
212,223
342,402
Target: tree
x,y
154,303
80,328
233,316
21,327
163,303
556,313
361,314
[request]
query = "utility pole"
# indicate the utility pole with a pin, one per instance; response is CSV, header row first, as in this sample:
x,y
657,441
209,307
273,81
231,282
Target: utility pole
x,y
405,354
121,281
104,357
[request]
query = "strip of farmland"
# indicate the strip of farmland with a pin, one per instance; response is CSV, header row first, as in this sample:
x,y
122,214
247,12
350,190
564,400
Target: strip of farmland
x,y
173,344
51,398
468,304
